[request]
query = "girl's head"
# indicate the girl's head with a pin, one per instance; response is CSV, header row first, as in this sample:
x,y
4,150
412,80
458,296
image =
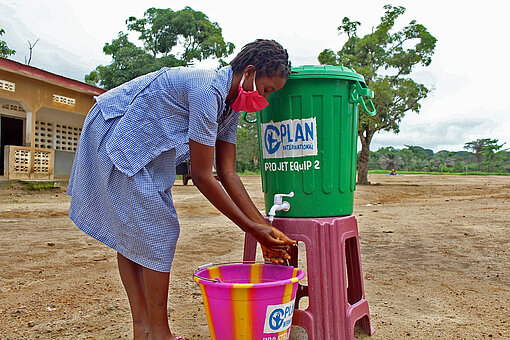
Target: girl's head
x,y
268,57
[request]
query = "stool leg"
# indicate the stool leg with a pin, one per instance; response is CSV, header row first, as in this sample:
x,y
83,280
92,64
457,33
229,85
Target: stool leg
x,y
365,324
358,310
306,320
293,252
355,287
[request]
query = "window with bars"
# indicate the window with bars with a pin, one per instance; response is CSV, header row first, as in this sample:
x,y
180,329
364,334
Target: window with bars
x,y
56,136
13,107
42,162
7,85
44,135
64,100
67,137
21,160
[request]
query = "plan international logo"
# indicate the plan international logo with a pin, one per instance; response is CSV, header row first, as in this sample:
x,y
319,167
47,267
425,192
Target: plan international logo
x,y
289,138
278,317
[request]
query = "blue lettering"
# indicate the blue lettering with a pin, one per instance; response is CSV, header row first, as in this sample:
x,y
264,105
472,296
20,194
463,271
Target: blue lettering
x,y
309,130
299,132
289,138
283,131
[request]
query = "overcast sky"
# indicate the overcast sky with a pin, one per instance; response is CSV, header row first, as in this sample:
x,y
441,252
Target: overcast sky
x,y
469,71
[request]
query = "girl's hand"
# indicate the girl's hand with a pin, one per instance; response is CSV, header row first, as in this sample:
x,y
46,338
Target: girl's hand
x,y
274,243
277,257
281,235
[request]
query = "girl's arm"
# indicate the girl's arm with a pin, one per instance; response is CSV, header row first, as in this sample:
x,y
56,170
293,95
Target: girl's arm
x,y
225,166
202,157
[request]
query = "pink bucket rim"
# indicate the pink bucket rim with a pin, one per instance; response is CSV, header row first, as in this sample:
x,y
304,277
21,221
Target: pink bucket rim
x,y
216,283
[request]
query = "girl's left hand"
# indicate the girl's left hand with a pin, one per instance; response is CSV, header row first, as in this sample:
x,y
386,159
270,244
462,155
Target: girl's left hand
x,y
277,256
274,241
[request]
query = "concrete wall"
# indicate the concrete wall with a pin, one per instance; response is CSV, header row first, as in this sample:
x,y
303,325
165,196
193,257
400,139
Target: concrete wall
x,y
63,163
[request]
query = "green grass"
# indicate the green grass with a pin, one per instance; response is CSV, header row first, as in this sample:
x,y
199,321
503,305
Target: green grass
x,y
478,173
245,173
40,186
248,173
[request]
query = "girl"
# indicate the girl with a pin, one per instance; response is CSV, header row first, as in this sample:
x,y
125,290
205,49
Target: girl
x,y
132,140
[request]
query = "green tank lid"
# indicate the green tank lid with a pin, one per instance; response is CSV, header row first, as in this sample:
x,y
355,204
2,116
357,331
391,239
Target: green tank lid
x,y
325,71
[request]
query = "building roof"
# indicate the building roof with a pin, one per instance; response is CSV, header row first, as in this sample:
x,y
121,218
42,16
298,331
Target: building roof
x,y
52,78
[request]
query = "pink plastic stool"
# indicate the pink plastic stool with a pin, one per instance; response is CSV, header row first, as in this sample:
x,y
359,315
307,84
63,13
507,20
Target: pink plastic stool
x,y
335,279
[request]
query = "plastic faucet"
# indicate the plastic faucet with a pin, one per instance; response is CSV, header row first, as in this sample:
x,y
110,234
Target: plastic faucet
x,y
279,205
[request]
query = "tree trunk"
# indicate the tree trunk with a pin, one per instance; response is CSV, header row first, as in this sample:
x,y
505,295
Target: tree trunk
x,y
478,159
364,156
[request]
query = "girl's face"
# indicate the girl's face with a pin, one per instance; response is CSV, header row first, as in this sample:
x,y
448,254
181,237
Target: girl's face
x,y
265,85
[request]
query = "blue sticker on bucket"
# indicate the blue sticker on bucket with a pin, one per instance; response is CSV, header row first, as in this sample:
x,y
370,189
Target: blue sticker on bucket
x,y
278,317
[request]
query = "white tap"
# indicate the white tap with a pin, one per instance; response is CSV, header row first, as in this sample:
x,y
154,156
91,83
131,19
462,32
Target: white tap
x,y
279,205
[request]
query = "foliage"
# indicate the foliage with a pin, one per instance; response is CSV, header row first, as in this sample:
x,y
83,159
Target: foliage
x,y
5,51
390,159
386,60
477,173
487,151
161,31
418,159
247,150
41,186
129,62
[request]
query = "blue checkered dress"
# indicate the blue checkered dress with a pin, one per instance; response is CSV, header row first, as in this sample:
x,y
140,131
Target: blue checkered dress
x,y
131,141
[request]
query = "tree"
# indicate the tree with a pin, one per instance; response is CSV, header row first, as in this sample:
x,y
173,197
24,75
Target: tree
x,y
491,153
502,160
408,162
247,150
416,158
5,51
443,159
483,147
386,60
390,158
161,31
30,48
128,62
497,158
418,150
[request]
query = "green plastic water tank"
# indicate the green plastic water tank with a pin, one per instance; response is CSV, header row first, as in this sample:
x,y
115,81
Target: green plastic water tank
x,y
308,141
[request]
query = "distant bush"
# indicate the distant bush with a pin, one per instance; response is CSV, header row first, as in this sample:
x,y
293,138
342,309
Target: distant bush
x,y
418,159
473,173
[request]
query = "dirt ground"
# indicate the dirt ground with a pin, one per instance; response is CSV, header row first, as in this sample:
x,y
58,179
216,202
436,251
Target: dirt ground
x,y
435,253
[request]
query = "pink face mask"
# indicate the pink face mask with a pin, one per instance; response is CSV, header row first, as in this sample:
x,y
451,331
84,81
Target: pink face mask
x,y
248,101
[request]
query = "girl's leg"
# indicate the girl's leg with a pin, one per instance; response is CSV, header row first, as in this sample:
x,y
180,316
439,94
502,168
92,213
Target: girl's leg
x,y
131,274
156,292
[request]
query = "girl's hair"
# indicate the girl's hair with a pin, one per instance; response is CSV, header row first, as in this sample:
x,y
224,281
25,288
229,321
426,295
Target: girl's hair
x,y
269,58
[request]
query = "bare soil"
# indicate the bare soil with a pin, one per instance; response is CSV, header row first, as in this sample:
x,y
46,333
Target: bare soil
x,y
435,254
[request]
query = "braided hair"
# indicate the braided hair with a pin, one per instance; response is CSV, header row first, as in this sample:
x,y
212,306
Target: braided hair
x,y
269,58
